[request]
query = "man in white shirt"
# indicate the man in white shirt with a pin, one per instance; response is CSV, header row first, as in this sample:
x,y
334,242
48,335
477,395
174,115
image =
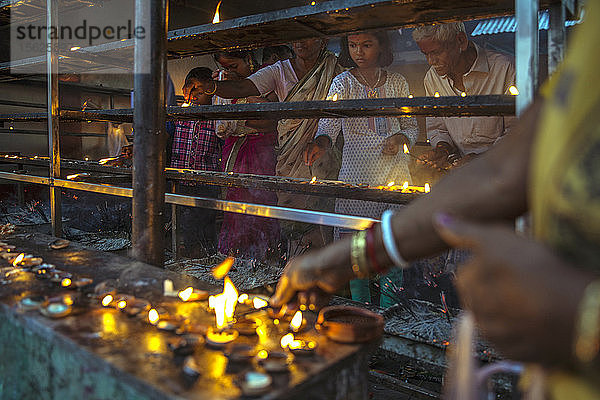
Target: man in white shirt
x,y
461,68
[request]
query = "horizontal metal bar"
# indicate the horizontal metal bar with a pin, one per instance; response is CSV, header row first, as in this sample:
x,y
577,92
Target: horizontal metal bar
x,y
45,133
492,105
290,214
261,210
24,178
320,188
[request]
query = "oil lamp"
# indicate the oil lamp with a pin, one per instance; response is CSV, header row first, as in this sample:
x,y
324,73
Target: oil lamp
x,y
255,383
240,353
191,294
298,346
297,323
220,338
275,361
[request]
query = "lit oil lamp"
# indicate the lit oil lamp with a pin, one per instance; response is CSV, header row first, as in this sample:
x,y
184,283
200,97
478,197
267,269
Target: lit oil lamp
x,y
168,326
298,322
255,383
220,338
298,346
153,317
17,260
191,294
135,306
217,18
221,270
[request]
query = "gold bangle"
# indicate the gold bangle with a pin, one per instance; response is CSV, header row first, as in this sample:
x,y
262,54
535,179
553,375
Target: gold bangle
x,y
358,254
587,339
213,91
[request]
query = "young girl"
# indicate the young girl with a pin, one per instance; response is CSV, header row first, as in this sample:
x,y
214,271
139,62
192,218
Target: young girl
x,y
372,151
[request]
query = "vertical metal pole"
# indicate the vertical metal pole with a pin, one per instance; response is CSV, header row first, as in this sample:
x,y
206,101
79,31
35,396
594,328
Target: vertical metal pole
x,y
149,132
557,36
526,49
20,187
174,222
53,117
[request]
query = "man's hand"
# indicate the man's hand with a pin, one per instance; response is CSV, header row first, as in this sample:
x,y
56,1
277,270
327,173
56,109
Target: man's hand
x,y
524,298
315,149
392,144
195,87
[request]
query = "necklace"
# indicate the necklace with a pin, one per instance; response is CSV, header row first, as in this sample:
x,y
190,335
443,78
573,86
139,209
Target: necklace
x,y
372,93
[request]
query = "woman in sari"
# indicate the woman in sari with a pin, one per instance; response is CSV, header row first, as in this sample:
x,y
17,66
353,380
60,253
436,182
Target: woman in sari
x,y
372,151
249,148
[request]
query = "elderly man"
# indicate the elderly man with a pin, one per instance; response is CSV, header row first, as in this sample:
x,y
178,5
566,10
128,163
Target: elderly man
x,y
459,67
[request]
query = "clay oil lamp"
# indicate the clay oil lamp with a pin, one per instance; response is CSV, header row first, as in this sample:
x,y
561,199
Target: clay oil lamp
x,y
31,302
15,260
55,309
255,383
275,361
169,326
297,346
135,306
43,271
57,276
80,282
247,326
191,368
59,244
30,261
223,305
240,353
191,294
184,345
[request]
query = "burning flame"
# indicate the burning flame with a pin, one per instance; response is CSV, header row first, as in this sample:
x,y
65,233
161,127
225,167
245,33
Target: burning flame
x,y
390,184
286,340
107,300
513,90
17,260
186,293
405,148
262,354
153,316
405,185
335,97
216,18
463,94
223,269
257,302
410,96
296,321
243,297
68,300
65,282
436,94
105,160
185,105
224,304
313,180
75,48
427,188
122,304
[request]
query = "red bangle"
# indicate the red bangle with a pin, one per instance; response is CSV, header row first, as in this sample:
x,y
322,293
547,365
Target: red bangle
x,y
371,251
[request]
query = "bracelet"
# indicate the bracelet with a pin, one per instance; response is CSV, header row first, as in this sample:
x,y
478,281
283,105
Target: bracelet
x,y
358,255
371,251
213,91
389,242
587,339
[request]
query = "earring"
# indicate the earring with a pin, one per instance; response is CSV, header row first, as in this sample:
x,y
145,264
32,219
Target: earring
x,y
252,66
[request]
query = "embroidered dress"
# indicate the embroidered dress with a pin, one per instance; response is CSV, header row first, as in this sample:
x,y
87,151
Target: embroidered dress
x,y
195,146
362,158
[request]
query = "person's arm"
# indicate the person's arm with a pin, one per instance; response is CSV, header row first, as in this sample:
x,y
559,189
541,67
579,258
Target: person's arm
x,y
491,188
224,89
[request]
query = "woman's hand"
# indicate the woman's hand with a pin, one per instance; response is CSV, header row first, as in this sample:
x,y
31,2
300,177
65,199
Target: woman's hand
x,y
392,144
315,149
313,277
524,298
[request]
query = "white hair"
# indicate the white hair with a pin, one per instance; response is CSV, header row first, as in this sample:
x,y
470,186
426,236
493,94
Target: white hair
x,y
439,32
